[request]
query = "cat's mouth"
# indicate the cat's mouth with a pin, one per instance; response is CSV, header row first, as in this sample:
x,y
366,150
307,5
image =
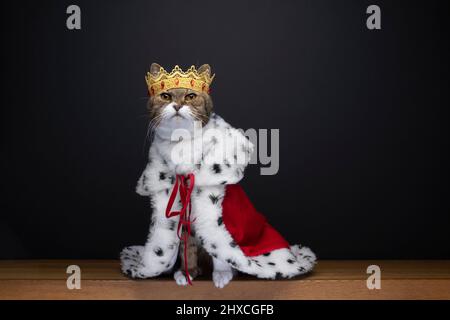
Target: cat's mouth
x,y
177,116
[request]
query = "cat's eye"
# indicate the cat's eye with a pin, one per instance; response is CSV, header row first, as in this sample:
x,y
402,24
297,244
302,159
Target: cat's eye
x,y
165,96
190,96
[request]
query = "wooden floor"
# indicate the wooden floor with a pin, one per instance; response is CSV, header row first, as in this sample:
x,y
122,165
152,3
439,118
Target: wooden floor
x,y
101,279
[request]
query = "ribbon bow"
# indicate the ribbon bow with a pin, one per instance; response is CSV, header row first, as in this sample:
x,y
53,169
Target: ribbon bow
x,y
184,186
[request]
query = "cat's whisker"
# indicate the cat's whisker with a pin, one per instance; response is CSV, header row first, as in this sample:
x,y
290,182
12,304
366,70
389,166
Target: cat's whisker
x,y
153,123
145,139
196,116
194,113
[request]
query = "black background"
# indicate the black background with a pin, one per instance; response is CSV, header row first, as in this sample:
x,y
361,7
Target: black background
x,y
363,119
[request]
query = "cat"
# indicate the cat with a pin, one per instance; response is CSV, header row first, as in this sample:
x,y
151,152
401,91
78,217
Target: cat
x,y
223,222
173,109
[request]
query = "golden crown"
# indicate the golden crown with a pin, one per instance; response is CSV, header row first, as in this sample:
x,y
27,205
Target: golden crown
x,y
177,78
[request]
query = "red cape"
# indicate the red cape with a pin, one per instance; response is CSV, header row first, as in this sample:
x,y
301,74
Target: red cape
x,y
249,228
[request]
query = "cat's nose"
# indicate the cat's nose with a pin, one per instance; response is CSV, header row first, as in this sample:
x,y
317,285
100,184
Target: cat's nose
x,y
176,107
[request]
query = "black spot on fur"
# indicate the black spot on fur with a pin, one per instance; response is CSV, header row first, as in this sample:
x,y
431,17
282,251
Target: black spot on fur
x,y
301,269
233,244
229,261
198,165
214,140
214,198
266,254
167,191
213,246
257,263
159,252
217,168
290,261
224,182
199,190
219,221
271,263
171,225
172,179
214,255
278,276
245,148
162,175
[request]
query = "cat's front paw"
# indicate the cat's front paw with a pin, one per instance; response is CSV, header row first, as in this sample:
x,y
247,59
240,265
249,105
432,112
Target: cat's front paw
x,y
222,278
180,278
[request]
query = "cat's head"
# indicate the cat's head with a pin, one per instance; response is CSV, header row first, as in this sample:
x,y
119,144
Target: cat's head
x,y
178,107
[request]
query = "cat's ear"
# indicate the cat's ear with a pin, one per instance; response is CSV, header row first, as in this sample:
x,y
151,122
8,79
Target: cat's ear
x,y
204,68
154,69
